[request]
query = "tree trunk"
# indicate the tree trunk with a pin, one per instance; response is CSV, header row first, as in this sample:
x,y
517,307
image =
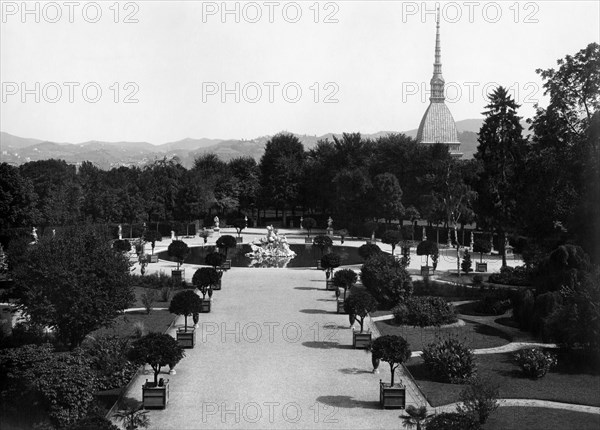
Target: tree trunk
x,y
392,373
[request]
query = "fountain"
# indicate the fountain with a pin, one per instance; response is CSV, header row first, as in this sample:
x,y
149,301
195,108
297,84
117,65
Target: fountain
x,y
270,251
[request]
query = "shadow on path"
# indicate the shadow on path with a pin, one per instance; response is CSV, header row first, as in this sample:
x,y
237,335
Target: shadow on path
x,y
326,345
347,402
354,371
317,311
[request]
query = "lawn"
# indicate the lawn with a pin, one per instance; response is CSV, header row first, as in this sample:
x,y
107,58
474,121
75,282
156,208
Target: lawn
x,y
158,303
517,418
156,321
475,335
572,381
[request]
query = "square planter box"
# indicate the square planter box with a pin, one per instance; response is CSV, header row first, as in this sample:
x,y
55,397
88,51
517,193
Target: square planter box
x,y
340,307
361,340
186,339
226,265
217,286
239,240
308,241
392,397
178,275
481,267
155,397
329,285
153,258
205,307
425,270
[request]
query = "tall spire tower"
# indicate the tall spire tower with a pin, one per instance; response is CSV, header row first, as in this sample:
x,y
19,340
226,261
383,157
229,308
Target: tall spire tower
x,y
437,125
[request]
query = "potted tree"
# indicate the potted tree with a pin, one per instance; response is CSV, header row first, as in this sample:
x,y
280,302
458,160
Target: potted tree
x,y
216,260
309,224
393,349
392,237
358,306
205,279
204,235
343,233
186,303
179,250
427,247
322,242
224,243
157,350
329,262
483,247
343,279
239,224
153,236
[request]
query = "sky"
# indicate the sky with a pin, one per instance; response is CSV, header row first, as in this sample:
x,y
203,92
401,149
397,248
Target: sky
x,y
159,71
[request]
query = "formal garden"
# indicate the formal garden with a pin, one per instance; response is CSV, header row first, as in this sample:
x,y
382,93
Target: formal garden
x,y
367,283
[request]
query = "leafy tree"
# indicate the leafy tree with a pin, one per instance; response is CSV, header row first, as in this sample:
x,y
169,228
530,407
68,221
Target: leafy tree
x,y
74,283
157,350
387,196
343,233
215,259
367,250
359,305
17,199
239,224
179,250
329,262
427,247
309,223
386,278
482,246
466,264
392,237
226,242
345,278
500,154
247,174
152,237
393,349
479,399
186,303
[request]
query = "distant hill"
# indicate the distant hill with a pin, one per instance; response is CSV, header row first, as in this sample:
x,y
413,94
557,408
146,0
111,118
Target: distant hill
x,y
19,150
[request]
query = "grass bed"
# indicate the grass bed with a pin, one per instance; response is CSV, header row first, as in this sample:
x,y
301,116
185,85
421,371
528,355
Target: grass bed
x,y
517,418
156,321
475,335
572,381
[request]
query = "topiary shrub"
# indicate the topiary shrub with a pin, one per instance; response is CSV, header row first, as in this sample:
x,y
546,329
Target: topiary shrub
x,y
466,265
239,224
226,242
322,242
450,361
345,279
483,246
215,259
179,250
368,250
427,247
425,311
452,421
157,350
309,224
534,362
205,278
185,303
392,237
392,349
358,305
329,262
152,236
122,245
343,233
386,279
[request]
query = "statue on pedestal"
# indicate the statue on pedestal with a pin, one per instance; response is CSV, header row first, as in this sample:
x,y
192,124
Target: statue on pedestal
x,y
172,235
216,220
120,232
301,221
34,234
424,234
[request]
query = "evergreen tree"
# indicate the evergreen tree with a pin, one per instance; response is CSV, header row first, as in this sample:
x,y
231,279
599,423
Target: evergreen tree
x,y
466,264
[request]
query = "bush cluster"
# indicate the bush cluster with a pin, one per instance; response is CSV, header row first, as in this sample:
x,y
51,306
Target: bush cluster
x,y
535,363
492,305
450,360
520,276
386,279
424,311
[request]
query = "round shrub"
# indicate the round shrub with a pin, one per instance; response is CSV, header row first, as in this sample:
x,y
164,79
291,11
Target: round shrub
x,y
392,237
425,311
520,276
330,261
392,349
387,279
322,242
535,363
492,305
179,250
185,303
157,350
449,360
359,305
452,421
215,259
368,250
427,247
345,278
225,242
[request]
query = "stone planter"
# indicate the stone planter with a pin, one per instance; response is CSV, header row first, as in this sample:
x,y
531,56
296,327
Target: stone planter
x,y
361,340
153,259
392,397
178,275
226,265
217,286
481,267
186,339
155,397
340,307
425,270
329,285
205,306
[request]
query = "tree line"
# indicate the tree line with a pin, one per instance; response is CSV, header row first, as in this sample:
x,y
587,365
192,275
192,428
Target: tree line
x,y
542,183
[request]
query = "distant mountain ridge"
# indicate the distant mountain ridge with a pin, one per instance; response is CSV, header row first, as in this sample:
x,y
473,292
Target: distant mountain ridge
x,y
19,150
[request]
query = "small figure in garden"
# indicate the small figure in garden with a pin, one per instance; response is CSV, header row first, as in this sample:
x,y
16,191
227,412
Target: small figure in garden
x,y
329,222
246,220
424,235
53,232
301,220
143,260
120,232
34,234
172,235
216,220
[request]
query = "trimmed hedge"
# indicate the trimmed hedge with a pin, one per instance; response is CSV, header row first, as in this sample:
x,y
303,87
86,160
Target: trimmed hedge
x,y
424,311
519,276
